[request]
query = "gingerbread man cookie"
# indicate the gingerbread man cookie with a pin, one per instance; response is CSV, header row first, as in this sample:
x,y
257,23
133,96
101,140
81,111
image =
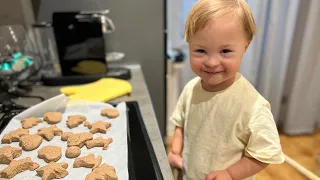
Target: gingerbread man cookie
x,y
49,132
88,161
104,172
110,112
99,126
18,166
99,142
53,170
30,122
8,153
52,117
75,120
30,142
14,136
50,153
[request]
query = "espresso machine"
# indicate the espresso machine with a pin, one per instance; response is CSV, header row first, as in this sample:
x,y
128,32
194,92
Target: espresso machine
x,y
81,39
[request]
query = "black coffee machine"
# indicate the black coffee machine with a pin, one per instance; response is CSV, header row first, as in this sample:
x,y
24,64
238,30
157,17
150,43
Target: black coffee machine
x,y
81,46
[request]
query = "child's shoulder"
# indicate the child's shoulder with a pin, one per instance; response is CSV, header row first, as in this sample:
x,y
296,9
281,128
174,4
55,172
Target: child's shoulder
x,y
192,83
249,95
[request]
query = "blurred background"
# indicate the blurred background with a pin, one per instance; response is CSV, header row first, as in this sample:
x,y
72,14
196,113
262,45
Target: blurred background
x,y
282,62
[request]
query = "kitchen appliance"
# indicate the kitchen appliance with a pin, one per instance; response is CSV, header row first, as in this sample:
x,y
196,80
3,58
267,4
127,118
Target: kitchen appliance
x,y
81,39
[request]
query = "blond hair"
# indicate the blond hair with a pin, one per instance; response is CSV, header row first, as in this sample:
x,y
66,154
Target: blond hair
x,y
206,10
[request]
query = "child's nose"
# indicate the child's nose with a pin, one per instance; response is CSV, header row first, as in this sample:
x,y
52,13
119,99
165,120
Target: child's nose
x,y
212,62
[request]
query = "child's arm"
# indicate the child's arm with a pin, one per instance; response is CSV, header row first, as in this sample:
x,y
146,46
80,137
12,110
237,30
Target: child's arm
x,y
244,168
175,158
177,144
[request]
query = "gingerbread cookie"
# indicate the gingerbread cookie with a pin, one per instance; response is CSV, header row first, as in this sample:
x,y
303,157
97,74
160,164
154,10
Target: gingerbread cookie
x,y
79,139
18,166
49,132
99,126
30,142
52,117
30,122
99,142
75,120
50,153
66,135
104,172
88,161
14,136
8,153
73,152
53,170
110,112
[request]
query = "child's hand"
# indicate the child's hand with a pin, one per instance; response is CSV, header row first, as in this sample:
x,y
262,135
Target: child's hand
x,y
175,160
219,175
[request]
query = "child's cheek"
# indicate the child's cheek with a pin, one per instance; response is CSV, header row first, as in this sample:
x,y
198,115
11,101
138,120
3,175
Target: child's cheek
x,y
196,62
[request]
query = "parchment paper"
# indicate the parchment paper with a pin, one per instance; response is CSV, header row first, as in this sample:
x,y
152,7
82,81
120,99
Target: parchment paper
x,y
116,155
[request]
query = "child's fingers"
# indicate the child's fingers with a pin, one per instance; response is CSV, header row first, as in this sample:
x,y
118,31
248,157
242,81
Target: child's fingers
x,y
211,176
175,160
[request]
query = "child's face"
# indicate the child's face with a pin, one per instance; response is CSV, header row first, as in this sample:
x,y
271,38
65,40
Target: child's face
x,y
216,51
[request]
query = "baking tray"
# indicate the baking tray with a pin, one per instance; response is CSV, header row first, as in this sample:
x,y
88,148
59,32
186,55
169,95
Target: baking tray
x,y
142,161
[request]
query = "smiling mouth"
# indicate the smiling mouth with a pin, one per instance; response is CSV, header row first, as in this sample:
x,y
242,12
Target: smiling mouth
x,y
213,72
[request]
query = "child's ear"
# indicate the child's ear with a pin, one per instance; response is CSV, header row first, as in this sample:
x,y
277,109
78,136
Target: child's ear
x,y
247,45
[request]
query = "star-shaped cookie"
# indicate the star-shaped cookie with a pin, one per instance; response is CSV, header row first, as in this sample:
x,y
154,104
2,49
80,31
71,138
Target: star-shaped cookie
x,y
53,170
8,153
99,126
49,132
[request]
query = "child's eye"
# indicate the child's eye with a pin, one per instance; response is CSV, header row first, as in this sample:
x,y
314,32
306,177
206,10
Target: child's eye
x,y
200,51
225,51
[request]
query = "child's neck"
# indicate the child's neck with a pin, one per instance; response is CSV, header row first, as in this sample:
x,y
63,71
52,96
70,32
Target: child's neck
x,y
221,86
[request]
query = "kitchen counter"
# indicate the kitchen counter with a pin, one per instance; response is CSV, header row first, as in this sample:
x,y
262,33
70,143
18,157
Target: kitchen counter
x,y
140,94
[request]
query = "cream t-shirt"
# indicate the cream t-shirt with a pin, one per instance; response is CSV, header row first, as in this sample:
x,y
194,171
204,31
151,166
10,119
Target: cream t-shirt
x,y
222,127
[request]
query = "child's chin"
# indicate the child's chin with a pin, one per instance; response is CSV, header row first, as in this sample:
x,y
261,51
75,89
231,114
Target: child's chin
x,y
211,82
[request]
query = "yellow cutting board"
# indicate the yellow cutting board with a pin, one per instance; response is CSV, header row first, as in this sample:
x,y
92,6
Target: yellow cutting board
x,y
105,89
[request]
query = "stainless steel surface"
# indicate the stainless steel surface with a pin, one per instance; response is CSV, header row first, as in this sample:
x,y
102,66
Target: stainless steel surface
x,y
140,94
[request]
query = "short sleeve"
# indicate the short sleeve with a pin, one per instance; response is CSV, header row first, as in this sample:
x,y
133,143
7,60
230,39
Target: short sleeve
x,y
264,142
178,115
